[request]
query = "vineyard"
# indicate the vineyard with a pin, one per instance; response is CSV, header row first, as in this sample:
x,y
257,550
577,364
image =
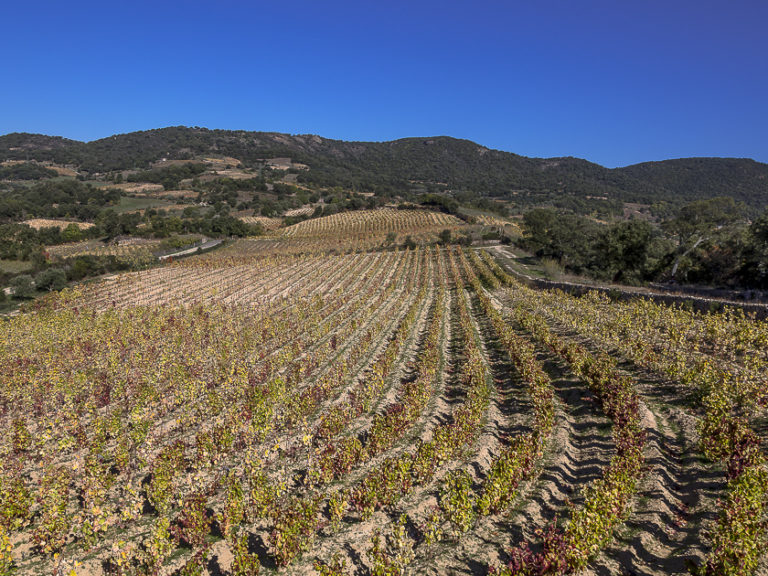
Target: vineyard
x,y
138,250
332,405
263,221
366,223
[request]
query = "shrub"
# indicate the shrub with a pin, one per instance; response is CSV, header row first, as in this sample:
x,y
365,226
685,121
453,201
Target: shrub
x,y
244,563
457,501
53,279
23,286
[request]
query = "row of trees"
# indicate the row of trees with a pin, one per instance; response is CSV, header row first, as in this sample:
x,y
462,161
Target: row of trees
x,y
26,171
55,199
706,242
21,242
215,222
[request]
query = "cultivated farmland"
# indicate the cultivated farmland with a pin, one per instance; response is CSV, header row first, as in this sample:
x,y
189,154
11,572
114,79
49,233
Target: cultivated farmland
x,y
373,222
326,402
138,251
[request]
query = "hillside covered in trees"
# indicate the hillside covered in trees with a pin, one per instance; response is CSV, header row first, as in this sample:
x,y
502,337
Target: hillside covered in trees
x,y
462,168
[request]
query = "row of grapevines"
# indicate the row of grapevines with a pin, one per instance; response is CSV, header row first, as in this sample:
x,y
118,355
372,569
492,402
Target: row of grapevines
x,y
336,458
517,461
458,506
730,399
398,476
607,500
293,533
292,517
448,441
100,438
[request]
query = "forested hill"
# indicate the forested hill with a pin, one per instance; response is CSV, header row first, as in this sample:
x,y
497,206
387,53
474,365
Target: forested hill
x,y
694,178
417,165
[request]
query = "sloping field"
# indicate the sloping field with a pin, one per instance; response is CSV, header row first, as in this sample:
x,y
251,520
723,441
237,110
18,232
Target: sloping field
x,y
374,222
263,221
186,194
376,412
138,250
303,211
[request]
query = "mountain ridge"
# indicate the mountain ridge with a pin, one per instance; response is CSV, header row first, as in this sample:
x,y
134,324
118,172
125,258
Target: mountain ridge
x,y
417,164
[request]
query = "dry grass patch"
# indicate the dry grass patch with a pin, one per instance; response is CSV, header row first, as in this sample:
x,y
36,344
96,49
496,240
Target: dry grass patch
x,y
38,223
137,188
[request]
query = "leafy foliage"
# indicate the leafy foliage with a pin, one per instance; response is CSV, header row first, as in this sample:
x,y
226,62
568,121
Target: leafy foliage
x,y
26,171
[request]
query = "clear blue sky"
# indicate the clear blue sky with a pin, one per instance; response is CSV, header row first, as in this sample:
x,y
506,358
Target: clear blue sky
x,y
612,82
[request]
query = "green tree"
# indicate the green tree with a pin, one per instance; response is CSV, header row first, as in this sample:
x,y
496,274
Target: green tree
x,y
109,223
51,279
623,249
23,286
537,224
697,222
72,233
754,270
567,238
269,208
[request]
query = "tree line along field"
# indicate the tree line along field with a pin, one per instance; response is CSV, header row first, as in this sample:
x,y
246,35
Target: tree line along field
x,y
294,405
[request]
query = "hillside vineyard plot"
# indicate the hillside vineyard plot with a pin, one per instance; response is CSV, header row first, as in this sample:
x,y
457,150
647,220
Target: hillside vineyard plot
x,y
140,253
260,410
373,222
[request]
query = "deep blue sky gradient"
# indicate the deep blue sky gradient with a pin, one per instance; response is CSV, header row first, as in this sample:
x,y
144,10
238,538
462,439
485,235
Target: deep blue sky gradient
x,y
612,82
